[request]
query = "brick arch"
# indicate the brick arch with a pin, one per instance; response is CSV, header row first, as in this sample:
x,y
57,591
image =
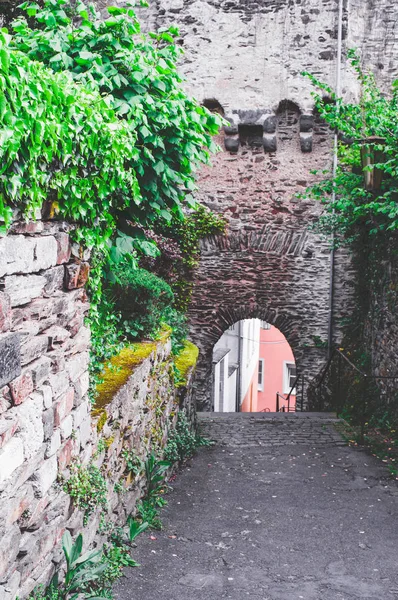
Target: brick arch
x,y
270,264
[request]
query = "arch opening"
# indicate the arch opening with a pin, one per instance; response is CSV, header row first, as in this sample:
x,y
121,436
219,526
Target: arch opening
x,y
253,370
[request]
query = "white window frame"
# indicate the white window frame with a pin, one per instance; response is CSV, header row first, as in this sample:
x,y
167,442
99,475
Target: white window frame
x,y
261,384
286,377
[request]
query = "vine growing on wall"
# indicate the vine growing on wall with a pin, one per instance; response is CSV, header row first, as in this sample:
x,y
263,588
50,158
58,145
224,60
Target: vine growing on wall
x,y
114,147
366,182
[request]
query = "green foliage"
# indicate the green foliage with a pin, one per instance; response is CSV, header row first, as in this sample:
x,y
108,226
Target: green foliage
x,y
155,471
136,528
148,512
183,441
198,224
87,487
142,299
82,570
374,116
137,75
134,464
63,143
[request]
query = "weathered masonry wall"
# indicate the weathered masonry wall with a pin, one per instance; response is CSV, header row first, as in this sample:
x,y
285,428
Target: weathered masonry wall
x,y
45,422
245,59
381,331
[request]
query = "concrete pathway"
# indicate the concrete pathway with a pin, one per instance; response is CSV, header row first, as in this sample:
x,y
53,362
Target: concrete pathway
x,y
279,509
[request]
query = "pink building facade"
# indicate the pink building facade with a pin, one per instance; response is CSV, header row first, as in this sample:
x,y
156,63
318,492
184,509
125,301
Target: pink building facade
x,y
276,371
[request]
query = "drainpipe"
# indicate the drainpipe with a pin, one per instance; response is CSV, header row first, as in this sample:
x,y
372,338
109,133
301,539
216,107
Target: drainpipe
x,y
335,149
239,377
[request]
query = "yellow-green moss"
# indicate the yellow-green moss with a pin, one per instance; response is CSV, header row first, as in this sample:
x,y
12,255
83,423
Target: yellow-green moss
x,y
101,421
119,370
109,441
185,360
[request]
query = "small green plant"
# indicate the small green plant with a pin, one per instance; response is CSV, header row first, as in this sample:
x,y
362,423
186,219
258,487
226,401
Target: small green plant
x,y
155,471
82,571
136,528
183,441
134,464
88,488
142,299
148,512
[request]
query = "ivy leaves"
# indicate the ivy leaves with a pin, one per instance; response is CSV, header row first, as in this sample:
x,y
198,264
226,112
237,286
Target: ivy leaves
x,y
61,142
137,75
368,127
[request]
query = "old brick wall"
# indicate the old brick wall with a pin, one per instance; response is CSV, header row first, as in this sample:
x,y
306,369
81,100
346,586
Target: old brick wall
x,y
245,59
46,423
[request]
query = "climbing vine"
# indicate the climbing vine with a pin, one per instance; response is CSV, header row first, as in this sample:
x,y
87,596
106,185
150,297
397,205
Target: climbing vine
x,y
368,149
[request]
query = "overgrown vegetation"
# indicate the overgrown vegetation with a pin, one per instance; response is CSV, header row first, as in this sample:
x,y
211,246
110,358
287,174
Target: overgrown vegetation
x,y
366,182
183,441
87,487
98,129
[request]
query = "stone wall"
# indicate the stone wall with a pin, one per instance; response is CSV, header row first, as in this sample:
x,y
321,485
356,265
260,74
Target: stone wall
x,y
381,330
245,59
45,421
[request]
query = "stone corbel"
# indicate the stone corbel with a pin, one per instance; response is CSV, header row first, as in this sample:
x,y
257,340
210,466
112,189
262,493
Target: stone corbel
x,y
306,131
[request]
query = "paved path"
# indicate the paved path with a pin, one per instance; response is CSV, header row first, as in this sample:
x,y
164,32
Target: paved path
x,y
279,509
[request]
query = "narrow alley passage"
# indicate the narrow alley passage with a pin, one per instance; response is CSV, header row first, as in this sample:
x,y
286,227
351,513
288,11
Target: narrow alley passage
x,y
278,509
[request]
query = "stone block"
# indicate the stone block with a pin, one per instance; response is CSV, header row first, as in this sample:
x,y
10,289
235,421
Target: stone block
x,y
64,248
46,392
48,423
23,288
306,123
59,383
34,348
45,476
11,457
65,455
79,414
5,312
80,342
21,387
8,427
46,252
306,142
269,143
31,429
54,280
56,335
40,370
270,124
9,590
77,365
9,545
231,143
85,431
10,357
76,275
18,503
18,254
63,407
66,427
54,443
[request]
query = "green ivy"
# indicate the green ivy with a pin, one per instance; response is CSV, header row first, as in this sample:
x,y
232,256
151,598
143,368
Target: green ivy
x,y
63,143
138,77
374,116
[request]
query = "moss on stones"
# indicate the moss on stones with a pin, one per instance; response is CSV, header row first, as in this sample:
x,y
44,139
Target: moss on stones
x,y
119,370
185,361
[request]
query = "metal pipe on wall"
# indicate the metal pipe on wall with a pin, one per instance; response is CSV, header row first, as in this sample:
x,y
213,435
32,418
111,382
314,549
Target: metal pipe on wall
x,y
335,163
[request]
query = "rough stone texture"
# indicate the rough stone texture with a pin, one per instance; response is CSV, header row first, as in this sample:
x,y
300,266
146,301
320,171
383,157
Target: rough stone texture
x,y
279,509
39,319
381,332
45,414
247,58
